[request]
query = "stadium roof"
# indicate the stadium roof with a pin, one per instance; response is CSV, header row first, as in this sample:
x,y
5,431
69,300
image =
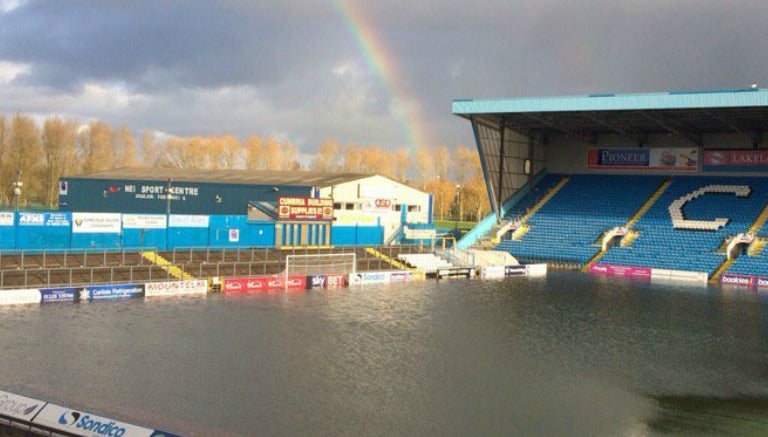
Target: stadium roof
x,y
254,177
685,113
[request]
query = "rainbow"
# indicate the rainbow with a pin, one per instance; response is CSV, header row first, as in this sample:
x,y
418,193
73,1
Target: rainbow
x,y
382,62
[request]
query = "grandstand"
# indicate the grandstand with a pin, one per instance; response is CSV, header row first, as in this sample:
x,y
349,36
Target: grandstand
x,y
667,181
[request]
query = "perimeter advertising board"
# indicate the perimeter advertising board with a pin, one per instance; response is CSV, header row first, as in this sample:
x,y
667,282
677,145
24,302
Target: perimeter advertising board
x,y
419,234
614,270
305,208
96,223
536,270
455,272
492,272
251,284
19,297
658,158
115,291
79,422
515,270
744,160
326,281
176,288
144,221
19,407
404,276
188,221
44,219
382,277
6,219
749,281
60,294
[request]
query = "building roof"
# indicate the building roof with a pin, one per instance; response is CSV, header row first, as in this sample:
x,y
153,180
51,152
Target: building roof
x,y
689,113
249,177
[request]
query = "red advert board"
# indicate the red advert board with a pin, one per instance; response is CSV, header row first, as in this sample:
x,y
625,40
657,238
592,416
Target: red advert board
x,y
254,284
305,208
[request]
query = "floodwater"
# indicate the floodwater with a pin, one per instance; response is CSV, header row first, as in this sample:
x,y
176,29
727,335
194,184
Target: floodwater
x,y
567,355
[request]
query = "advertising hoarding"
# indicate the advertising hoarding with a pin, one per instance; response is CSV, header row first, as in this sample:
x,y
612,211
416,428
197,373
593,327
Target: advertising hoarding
x,y
44,219
493,272
749,281
614,270
304,208
658,158
144,221
86,424
114,291
455,272
176,288
188,221
60,294
96,223
419,234
402,276
326,281
6,219
19,407
746,160
251,284
19,297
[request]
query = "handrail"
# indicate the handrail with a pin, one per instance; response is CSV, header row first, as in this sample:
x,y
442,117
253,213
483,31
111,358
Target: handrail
x,y
153,273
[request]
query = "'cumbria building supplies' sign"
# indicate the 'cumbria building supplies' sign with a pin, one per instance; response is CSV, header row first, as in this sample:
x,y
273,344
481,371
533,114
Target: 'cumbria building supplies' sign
x,y
304,208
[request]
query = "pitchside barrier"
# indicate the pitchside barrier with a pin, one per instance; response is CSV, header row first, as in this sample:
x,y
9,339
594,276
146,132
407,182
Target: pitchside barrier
x,y
294,282
747,281
497,272
250,284
43,418
103,292
648,273
386,277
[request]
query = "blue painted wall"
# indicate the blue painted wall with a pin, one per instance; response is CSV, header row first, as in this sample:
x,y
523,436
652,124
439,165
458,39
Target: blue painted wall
x,y
53,230
149,238
357,235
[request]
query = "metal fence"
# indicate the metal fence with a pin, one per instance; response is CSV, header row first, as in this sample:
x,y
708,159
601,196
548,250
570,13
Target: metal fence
x,y
56,268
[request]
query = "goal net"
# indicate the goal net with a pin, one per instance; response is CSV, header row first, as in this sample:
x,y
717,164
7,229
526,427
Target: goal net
x,y
321,264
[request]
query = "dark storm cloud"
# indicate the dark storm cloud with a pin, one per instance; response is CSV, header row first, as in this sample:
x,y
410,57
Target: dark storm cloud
x,y
151,45
294,68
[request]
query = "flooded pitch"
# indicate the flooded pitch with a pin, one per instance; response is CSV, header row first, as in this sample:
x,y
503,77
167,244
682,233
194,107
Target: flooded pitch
x,y
569,354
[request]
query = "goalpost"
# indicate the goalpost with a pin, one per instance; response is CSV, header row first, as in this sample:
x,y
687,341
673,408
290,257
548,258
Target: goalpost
x,y
321,264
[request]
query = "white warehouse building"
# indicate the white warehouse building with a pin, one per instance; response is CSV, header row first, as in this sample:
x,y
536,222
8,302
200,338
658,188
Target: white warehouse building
x,y
368,200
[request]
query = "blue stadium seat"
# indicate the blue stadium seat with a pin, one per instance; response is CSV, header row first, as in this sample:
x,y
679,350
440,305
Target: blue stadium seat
x,y
568,226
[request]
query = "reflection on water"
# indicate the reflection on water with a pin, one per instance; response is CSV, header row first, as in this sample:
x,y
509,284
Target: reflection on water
x,y
711,415
566,355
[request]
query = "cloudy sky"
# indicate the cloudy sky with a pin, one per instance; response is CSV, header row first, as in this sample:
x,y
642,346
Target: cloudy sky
x,y
362,71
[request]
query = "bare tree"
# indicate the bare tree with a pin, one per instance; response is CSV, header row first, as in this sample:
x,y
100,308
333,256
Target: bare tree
x,y
353,158
424,162
24,156
328,156
255,158
466,164
148,148
125,147
5,178
442,160
97,147
228,152
402,162
58,146
273,153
